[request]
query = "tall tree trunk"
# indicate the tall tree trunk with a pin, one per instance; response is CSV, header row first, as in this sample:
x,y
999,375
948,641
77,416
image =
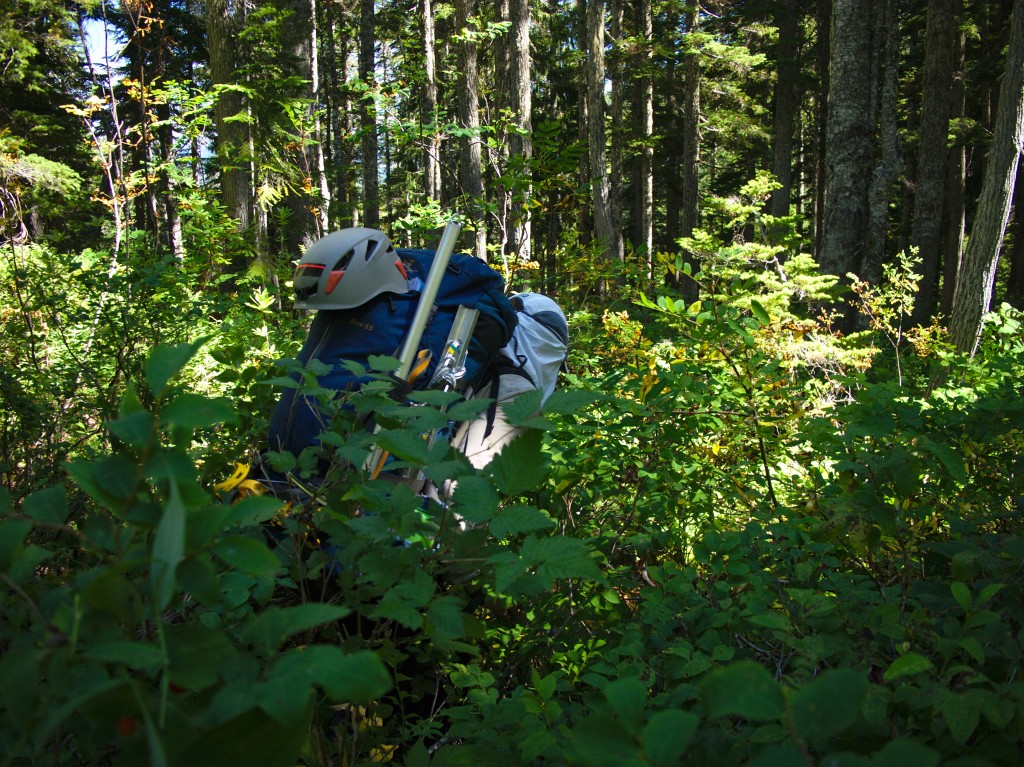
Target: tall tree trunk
x,y
887,166
690,204
585,211
848,151
787,104
977,276
823,24
1015,280
521,145
429,118
339,114
471,174
368,116
605,229
304,225
232,135
644,130
954,212
926,231
319,130
617,77
670,172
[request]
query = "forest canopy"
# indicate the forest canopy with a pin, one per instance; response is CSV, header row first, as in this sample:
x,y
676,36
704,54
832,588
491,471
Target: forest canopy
x,y
772,515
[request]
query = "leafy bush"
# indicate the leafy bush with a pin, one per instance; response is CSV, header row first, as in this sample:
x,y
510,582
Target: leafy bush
x,y
724,542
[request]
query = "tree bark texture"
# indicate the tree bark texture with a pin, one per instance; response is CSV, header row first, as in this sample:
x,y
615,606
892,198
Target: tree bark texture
x,y
645,131
307,222
232,136
888,165
926,230
976,280
617,77
823,25
787,104
848,149
368,116
954,214
471,174
428,119
605,230
521,145
690,203
1015,280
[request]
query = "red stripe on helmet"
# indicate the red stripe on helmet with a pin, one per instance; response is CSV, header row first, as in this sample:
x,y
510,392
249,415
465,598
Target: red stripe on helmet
x,y
333,280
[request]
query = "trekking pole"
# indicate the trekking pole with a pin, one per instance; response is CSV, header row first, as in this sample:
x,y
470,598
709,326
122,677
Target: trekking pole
x,y
426,304
452,365
409,352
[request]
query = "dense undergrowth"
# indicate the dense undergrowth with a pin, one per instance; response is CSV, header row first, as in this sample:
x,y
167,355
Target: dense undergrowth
x,y
734,537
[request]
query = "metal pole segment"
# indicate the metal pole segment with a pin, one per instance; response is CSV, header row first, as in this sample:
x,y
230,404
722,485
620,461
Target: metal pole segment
x,y
426,304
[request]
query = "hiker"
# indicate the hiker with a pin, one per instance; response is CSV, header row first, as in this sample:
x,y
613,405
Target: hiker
x,y
366,293
530,361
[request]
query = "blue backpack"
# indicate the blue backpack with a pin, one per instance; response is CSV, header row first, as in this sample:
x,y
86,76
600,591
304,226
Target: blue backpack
x,y
379,326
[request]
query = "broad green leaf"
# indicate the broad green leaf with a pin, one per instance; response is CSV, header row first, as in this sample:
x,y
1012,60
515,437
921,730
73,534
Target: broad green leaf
x,y
194,411
254,509
568,401
254,738
19,671
197,655
524,411
666,736
961,712
907,665
475,499
136,655
248,555
829,704
168,548
357,678
627,697
276,624
520,466
785,755
197,577
961,594
49,506
516,519
135,428
743,689
165,362
556,557
952,462
989,591
904,752
469,409
130,402
600,741
444,399
27,561
759,313
285,694
410,446
445,619
771,620
56,715
116,476
973,648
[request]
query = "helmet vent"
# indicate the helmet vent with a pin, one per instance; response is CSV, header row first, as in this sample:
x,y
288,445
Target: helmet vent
x,y
345,260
